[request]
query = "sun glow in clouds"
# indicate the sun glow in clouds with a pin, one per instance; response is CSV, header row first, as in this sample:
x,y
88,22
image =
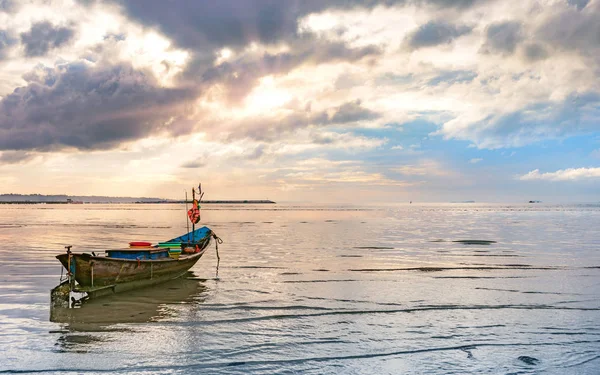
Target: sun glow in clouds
x,y
266,96
223,55
154,51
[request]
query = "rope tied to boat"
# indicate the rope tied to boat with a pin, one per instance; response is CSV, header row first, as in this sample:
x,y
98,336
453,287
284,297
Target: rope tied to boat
x,y
218,241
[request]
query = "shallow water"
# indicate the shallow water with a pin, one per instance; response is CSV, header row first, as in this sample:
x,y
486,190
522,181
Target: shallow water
x,y
315,290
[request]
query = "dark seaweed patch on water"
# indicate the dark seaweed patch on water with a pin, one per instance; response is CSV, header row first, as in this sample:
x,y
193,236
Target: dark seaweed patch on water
x,y
488,255
555,293
500,290
484,326
350,256
516,265
270,308
529,360
316,281
290,273
481,277
468,351
373,247
321,270
330,221
524,292
438,240
475,242
437,269
259,267
354,301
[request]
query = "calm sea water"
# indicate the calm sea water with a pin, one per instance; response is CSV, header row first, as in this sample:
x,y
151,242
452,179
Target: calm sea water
x,y
315,290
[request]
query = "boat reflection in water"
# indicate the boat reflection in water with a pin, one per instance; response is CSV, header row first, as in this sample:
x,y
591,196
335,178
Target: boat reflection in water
x,y
136,306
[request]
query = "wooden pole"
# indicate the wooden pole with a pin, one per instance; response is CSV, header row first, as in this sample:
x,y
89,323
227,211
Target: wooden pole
x,y
187,223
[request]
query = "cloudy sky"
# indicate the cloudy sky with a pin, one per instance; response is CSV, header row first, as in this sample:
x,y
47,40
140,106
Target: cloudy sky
x,y
313,100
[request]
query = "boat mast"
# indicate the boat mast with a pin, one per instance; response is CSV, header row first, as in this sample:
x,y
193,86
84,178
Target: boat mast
x,y
193,224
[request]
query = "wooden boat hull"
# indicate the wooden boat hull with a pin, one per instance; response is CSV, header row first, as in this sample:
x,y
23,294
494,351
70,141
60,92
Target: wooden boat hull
x,y
104,275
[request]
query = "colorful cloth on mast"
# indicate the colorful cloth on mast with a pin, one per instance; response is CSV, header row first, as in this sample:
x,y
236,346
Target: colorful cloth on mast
x,y
194,212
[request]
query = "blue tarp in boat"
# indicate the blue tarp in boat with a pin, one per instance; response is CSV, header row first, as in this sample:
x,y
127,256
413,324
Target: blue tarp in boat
x,y
196,235
141,255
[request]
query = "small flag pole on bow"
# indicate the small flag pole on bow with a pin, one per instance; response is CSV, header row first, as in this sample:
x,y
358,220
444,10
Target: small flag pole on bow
x,y
193,224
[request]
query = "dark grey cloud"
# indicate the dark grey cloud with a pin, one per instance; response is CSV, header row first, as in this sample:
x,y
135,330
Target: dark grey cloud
x,y
79,106
6,41
203,24
43,36
13,157
351,112
535,52
271,129
574,30
7,5
503,37
434,33
256,153
193,164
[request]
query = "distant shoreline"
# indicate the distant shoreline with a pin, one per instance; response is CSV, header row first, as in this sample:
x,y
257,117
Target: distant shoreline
x,y
245,201
145,202
92,199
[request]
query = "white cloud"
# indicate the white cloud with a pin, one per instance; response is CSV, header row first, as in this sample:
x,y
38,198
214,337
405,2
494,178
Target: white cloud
x,y
345,176
424,168
475,160
570,174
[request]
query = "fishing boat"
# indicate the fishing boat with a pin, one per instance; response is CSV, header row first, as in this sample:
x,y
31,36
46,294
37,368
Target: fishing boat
x,y
142,264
